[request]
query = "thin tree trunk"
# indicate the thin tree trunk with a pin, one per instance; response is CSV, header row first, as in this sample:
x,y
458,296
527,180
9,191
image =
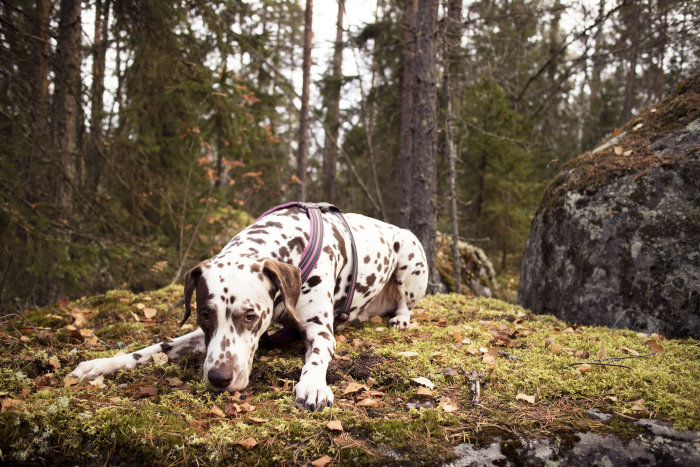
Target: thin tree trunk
x,y
403,218
424,188
99,52
303,151
67,103
40,82
330,154
453,33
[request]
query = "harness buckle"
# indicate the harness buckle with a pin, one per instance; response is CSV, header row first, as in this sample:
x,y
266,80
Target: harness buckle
x,y
322,206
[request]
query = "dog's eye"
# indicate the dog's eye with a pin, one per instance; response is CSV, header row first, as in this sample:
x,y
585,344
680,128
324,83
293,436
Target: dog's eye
x,y
249,316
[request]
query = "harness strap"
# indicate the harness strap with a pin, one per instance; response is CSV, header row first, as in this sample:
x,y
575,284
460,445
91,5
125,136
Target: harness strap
x,y
312,252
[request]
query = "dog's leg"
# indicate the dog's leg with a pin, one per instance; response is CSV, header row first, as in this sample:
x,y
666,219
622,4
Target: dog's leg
x,y
411,277
192,342
311,391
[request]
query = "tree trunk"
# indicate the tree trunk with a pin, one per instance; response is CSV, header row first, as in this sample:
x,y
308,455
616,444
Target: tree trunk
x,y
66,108
453,35
40,82
330,153
424,187
99,51
403,218
303,151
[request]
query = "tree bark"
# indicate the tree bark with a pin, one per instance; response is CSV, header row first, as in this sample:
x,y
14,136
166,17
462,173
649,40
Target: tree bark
x,y
66,105
330,154
40,82
99,52
453,36
403,215
303,150
424,187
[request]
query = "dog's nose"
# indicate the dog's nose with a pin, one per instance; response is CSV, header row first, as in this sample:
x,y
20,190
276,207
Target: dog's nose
x,y
220,377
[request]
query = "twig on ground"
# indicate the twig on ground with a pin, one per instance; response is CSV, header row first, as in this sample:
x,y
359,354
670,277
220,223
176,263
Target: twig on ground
x,y
596,363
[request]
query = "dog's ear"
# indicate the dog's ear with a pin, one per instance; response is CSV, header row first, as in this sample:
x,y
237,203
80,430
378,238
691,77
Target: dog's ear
x,y
191,278
287,279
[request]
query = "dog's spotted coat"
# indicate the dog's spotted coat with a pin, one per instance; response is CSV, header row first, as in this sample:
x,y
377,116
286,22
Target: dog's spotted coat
x,y
236,291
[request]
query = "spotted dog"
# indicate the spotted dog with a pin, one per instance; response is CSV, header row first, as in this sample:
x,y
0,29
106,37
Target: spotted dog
x,y
236,294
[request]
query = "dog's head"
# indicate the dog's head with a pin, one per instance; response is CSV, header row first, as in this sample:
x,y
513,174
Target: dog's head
x,y
234,308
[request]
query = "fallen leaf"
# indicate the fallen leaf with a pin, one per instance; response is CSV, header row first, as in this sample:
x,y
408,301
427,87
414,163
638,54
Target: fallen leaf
x,y
629,351
70,381
653,346
160,358
483,349
568,330
215,411
581,354
358,342
174,382
556,348
376,319
457,335
610,398
322,461
448,405
603,352
638,406
55,364
145,391
368,402
257,420
342,357
424,382
246,407
524,397
341,338
491,356
8,403
140,306
99,382
371,381
408,354
334,425
585,368
638,126
423,391
473,351
619,150
548,341
149,313
248,443
352,387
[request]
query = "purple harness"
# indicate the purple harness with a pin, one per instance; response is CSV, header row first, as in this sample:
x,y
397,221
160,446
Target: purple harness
x,y
312,252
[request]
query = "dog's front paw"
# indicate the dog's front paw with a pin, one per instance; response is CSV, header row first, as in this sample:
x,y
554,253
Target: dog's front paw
x,y
91,369
313,395
400,322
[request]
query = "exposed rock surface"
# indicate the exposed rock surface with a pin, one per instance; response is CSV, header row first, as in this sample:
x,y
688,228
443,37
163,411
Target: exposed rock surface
x,y
661,445
616,239
478,277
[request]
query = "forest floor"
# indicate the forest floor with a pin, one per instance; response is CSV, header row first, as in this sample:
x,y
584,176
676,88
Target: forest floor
x,y
474,381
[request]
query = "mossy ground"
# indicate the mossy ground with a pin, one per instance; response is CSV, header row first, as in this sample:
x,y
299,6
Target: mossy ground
x,y
48,420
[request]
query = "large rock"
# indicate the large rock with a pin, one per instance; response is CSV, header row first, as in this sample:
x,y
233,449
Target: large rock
x,y
477,276
616,239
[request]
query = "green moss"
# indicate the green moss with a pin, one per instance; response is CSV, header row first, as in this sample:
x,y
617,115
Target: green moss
x,y
85,424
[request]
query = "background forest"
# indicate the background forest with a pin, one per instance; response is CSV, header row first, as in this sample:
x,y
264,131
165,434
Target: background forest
x,y
133,148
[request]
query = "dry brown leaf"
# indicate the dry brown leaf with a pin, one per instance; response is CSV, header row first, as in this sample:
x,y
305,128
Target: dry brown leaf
x,y
174,382
491,356
376,319
257,421
638,405
358,342
215,411
457,335
585,368
408,354
7,403
322,461
334,425
424,382
368,402
341,338
55,364
448,405
581,354
548,341
342,357
568,330
423,391
70,381
556,348
99,382
145,391
140,306
524,397
653,346
603,352
610,398
629,351
150,313
473,351
619,150
352,387
248,443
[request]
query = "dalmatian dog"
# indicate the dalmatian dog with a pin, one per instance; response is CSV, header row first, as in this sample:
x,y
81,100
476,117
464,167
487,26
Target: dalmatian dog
x,y
255,281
